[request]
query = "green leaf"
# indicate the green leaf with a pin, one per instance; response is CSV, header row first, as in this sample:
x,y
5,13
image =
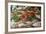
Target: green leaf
x,y
31,18
15,18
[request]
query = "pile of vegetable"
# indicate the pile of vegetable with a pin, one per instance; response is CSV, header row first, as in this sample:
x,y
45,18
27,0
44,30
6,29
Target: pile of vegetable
x,y
19,13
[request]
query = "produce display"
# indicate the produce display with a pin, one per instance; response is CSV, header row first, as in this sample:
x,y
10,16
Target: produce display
x,y
25,16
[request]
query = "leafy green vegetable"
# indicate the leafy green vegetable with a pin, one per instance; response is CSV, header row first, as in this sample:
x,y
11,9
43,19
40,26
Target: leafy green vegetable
x,y
15,18
31,18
